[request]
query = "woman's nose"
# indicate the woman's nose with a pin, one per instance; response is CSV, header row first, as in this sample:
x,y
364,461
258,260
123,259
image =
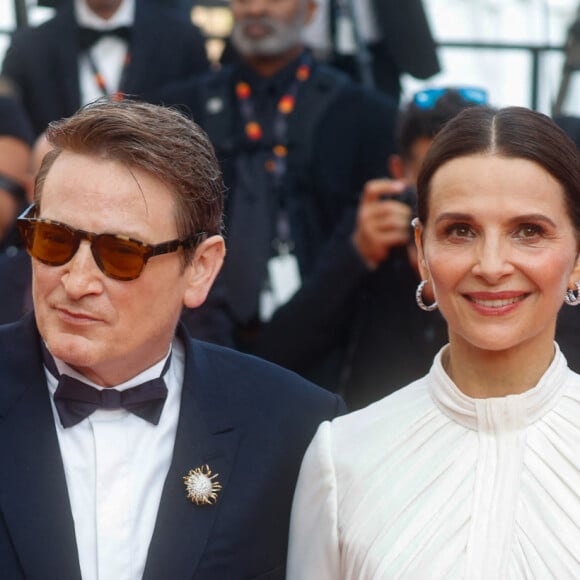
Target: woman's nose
x,y
492,259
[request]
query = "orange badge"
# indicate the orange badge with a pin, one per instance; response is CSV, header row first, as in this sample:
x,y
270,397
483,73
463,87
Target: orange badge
x,y
253,131
243,90
280,151
286,104
303,72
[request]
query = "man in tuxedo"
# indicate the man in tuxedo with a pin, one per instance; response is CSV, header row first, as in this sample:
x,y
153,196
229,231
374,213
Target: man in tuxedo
x,y
130,450
375,41
96,47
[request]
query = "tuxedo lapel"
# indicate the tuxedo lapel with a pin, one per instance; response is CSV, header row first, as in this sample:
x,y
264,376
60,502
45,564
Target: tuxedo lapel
x,y
37,512
205,435
143,52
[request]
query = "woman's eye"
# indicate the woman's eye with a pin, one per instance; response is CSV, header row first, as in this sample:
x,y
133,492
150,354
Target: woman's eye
x,y
459,231
527,231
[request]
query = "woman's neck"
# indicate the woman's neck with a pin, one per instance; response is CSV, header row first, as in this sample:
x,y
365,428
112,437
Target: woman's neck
x,y
483,374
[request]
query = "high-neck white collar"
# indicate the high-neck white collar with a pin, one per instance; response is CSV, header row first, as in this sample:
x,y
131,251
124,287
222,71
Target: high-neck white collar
x,y
499,413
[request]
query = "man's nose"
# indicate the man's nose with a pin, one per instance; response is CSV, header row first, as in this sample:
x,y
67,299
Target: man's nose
x,y
81,274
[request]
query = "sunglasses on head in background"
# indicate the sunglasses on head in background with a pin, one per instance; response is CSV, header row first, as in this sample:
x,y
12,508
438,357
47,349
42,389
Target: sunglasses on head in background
x,y
428,98
117,256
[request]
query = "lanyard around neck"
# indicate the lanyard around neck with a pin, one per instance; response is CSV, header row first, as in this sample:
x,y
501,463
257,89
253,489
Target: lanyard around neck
x,y
276,163
100,79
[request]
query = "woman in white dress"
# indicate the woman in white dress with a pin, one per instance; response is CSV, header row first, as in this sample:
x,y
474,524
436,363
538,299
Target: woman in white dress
x,y
474,470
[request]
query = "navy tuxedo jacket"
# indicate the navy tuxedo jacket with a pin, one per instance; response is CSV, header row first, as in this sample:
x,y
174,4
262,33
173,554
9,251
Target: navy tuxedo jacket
x,y
249,420
43,62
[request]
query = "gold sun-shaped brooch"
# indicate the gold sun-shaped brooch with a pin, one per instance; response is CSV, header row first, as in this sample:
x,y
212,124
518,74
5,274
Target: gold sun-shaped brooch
x,y
201,487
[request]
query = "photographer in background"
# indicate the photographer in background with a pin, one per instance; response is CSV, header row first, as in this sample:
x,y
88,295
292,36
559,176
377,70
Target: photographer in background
x,y
355,327
15,149
15,265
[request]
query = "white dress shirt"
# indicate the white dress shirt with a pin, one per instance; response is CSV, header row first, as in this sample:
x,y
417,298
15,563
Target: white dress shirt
x,y
115,465
429,483
108,54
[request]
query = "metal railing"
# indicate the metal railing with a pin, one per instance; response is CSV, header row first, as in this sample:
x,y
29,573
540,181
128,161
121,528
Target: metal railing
x,y
535,50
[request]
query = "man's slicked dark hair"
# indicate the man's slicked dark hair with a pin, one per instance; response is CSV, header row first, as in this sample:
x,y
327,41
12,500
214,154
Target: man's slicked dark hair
x,y
159,140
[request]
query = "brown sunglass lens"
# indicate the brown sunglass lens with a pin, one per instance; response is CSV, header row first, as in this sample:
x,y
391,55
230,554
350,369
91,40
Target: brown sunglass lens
x,y
50,243
120,259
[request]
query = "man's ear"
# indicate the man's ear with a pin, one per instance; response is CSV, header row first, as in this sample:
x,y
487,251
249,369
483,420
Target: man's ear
x,y
397,167
205,266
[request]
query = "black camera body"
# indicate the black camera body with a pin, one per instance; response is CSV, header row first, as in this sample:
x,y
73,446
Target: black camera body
x,y
408,196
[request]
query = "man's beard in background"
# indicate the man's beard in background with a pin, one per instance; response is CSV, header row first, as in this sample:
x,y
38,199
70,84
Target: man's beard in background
x,y
283,36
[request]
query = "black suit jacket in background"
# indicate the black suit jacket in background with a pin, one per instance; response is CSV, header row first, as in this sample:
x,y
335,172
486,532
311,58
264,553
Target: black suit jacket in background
x,y
349,143
42,62
250,421
407,37
406,46
354,330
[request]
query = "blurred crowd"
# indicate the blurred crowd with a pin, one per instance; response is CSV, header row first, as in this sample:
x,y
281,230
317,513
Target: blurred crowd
x,y
319,157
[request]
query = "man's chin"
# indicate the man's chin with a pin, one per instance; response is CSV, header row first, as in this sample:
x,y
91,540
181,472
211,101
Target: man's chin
x,y
77,351
256,48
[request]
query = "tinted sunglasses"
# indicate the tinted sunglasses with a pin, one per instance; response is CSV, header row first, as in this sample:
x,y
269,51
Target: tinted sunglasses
x,y
117,256
427,98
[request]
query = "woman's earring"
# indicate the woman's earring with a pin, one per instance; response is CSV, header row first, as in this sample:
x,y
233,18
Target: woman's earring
x,y
419,298
572,297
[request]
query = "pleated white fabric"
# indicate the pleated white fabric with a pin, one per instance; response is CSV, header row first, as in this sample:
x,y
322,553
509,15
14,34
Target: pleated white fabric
x,y
429,483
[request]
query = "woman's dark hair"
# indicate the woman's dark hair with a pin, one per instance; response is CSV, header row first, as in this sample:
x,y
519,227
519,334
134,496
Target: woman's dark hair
x,y
512,132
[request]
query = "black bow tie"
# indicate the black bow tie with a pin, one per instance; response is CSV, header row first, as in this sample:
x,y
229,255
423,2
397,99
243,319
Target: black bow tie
x,y
89,36
75,400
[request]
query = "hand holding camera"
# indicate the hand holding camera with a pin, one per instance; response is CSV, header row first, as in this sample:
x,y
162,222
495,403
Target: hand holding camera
x,y
385,210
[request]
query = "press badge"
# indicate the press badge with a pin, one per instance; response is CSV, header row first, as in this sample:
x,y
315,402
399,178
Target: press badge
x,y
284,281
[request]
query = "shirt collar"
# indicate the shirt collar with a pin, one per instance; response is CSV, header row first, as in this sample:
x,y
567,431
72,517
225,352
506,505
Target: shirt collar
x,y
125,16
